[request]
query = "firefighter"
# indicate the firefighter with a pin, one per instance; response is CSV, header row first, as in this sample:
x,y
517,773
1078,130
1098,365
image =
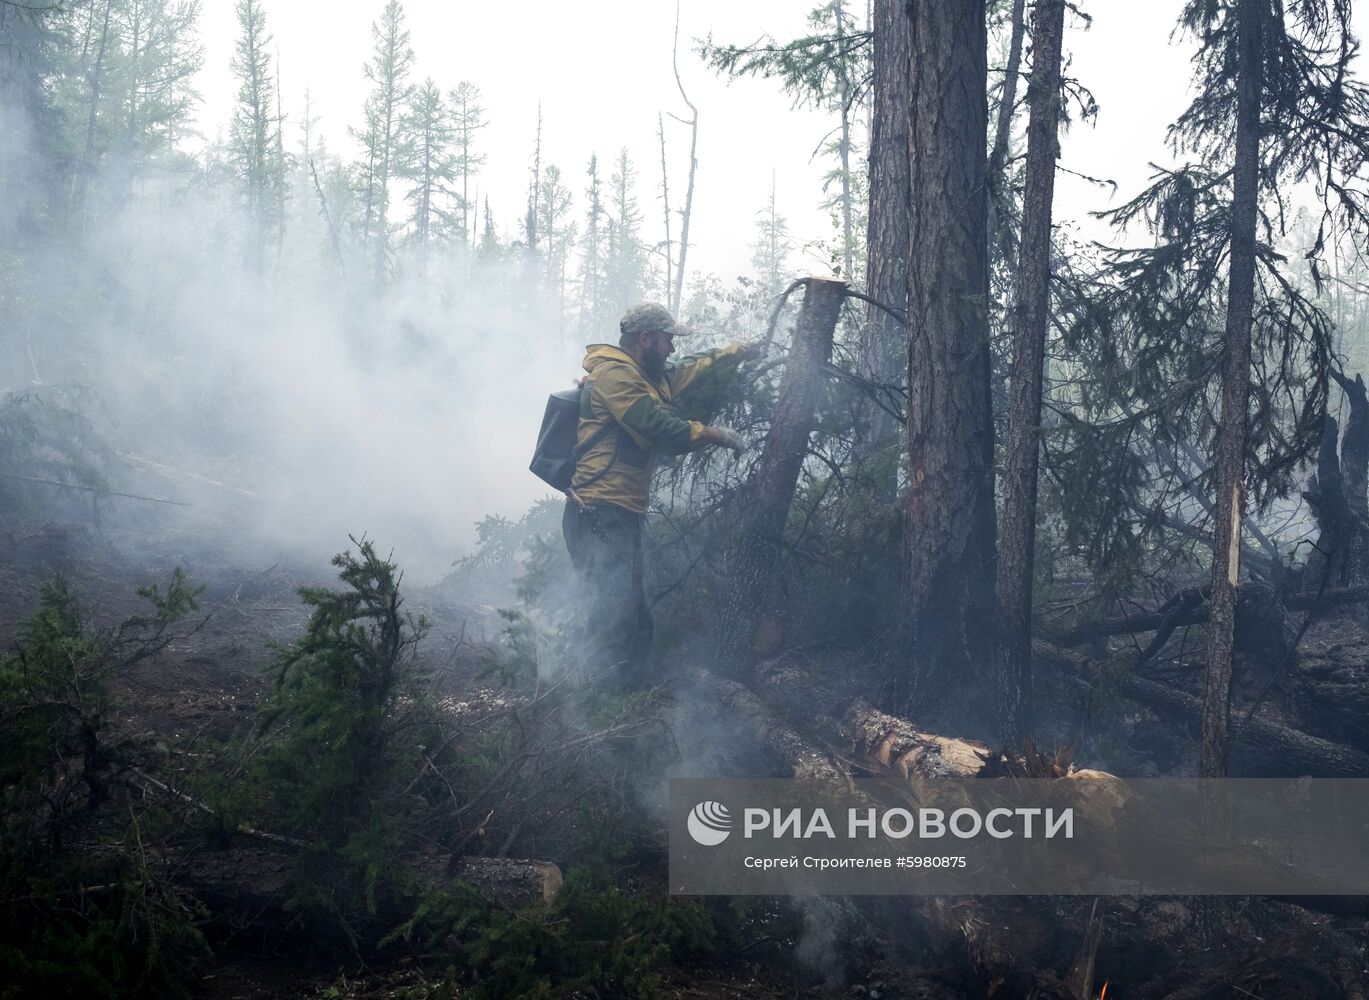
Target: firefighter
x,y
633,385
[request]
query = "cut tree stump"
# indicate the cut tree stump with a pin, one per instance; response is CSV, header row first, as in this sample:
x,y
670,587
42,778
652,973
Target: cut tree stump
x,y
751,561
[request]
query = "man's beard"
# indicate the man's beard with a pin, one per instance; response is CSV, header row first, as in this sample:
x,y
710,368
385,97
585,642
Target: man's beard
x,y
653,365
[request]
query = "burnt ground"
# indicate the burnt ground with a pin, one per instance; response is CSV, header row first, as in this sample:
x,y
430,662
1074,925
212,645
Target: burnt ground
x,y
205,688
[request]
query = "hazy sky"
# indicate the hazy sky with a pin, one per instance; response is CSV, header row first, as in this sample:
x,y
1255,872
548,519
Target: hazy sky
x,y
601,71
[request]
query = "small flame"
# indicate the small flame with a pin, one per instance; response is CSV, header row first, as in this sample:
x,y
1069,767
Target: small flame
x,y
1104,994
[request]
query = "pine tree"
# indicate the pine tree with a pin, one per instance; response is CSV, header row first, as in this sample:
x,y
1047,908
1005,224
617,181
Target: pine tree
x,y
770,253
624,255
1017,533
388,71
948,525
883,345
1203,336
159,59
425,160
590,311
254,133
468,117
557,229
34,172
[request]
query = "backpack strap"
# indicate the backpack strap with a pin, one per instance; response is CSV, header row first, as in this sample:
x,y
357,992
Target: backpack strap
x,y
580,450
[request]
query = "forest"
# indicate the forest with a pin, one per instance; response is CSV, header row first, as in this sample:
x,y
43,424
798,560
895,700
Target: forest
x,y
299,696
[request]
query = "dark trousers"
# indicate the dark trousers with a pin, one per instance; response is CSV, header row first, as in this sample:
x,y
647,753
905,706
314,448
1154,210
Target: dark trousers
x,y
605,544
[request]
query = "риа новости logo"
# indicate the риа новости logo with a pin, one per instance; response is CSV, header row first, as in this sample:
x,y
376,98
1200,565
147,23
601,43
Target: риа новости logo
x,y
709,823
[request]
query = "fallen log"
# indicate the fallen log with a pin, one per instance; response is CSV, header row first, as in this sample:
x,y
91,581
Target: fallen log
x,y
1150,621
1278,745
909,752
258,880
783,742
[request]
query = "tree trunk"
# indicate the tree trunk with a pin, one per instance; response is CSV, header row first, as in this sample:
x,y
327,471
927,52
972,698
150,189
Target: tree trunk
x,y
948,508
94,78
882,341
1017,535
1230,445
1336,494
844,149
771,491
1007,101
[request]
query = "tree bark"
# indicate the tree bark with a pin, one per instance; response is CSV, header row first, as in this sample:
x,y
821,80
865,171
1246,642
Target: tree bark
x,y
1231,435
771,491
948,507
1336,495
882,341
1017,535
1007,101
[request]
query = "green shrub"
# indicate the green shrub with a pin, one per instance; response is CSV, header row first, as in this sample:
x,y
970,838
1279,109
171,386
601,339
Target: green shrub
x,y
593,939
101,923
348,728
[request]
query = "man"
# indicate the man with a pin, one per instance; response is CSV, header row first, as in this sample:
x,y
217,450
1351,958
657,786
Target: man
x,y
627,418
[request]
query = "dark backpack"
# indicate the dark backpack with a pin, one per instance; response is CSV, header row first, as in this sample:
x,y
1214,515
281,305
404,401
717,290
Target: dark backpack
x,y
553,460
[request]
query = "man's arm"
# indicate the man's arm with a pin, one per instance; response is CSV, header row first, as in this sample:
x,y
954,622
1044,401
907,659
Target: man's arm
x,y
680,374
620,389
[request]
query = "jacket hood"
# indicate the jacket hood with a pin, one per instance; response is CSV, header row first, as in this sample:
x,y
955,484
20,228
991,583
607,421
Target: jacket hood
x,y
602,354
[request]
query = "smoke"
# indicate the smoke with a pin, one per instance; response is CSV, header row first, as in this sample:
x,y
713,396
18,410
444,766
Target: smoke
x,y
817,949
289,399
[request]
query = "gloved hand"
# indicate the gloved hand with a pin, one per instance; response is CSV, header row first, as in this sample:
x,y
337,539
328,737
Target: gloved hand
x,y
755,350
726,437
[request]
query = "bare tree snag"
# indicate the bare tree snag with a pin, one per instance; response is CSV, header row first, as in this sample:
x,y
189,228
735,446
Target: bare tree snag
x,y
670,295
1231,434
752,561
948,524
882,340
1336,494
693,124
1017,526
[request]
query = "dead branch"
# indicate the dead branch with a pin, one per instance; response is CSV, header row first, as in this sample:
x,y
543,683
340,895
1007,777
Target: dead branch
x,y
1196,615
1287,749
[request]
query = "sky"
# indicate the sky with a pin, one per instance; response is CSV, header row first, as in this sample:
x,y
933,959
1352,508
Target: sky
x,y
601,73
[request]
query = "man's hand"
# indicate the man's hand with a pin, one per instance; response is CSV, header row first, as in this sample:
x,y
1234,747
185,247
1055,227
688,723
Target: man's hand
x,y
755,350
724,436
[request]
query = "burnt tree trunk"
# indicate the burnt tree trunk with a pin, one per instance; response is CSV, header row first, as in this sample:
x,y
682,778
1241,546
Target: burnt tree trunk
x,y
882,341
751,564
1017,535
1231,434
1336,495
948,527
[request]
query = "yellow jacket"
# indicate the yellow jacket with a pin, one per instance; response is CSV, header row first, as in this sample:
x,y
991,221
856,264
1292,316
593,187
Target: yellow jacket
x,y
618,468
